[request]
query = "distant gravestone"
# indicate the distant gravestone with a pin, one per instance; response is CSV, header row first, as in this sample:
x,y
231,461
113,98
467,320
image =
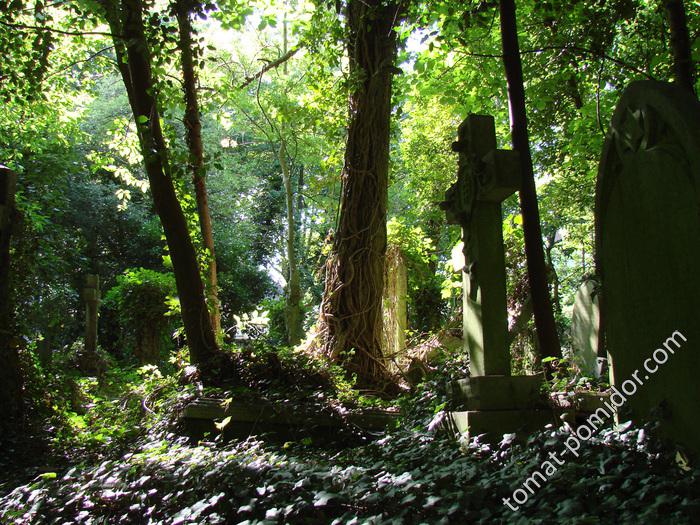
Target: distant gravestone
x,y
91,295
585,328
648,252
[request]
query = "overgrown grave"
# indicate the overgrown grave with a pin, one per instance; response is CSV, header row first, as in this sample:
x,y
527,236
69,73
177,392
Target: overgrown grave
x,y
288,421
287,397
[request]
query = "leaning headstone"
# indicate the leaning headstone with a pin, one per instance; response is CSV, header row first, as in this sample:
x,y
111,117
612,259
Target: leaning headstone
x,y
585,328
648,254
492,401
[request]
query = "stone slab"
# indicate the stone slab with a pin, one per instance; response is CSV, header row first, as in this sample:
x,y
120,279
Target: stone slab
x,y
249,418
498,392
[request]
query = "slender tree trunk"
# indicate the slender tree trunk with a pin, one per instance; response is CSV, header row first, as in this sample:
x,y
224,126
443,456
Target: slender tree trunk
x,y
683,69
294,318
136,73
193,127
537,272
10,374
351,312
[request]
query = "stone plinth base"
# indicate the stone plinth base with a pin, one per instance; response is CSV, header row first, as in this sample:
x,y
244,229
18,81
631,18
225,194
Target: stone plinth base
x,y
497,405
495,423
498,392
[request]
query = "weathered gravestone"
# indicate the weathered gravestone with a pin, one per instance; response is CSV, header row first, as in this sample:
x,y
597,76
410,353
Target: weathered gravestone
x,y
648,254
91,295
492,401
395,311
586,336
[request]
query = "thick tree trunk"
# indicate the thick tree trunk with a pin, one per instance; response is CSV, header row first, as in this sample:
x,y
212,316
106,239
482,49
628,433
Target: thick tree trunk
x,y
352,303
10,374
193,127
293,314
537,272
680,45
139,84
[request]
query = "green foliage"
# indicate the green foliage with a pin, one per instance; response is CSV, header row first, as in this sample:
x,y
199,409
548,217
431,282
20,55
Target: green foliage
x,y
407,477
144,301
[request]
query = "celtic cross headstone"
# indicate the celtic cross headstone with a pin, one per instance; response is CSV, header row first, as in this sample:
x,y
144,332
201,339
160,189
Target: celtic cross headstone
x,y
486,176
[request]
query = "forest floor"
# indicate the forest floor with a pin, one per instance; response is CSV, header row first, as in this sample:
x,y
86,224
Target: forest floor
x,y
127,461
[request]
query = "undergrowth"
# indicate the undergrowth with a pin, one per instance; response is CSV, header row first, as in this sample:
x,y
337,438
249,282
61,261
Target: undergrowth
x,y
414,474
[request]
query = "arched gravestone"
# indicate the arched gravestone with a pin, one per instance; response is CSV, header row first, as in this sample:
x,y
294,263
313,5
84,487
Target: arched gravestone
x,y
648,252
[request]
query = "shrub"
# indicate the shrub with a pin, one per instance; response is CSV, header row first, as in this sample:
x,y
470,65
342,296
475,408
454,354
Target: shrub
x,y
144,301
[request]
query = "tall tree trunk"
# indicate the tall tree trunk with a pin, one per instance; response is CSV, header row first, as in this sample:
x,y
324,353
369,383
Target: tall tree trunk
x,y
351,312
10,374
136,73
193,127
293,314
680,44
537,272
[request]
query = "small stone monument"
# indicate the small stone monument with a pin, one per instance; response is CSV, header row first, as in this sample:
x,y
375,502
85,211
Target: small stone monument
x,y
585,328
492,400
91,295
648,255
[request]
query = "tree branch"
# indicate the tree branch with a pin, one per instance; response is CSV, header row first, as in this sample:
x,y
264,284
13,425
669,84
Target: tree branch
x,y
271,65
88,59
583,50
59,31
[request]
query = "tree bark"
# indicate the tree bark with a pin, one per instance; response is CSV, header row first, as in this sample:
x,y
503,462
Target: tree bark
x,y
193,128
136,73
680,45
537,272
293,314
10,373
351,312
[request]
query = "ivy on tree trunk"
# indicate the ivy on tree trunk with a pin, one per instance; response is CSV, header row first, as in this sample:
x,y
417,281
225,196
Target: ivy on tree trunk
x,y
351,312
193,127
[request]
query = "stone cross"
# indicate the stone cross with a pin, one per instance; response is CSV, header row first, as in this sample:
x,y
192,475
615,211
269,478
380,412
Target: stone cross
x,y
486,176
91,295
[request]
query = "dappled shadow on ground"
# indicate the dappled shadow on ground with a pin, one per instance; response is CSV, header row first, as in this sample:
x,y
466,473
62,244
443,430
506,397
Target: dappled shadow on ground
x,y
410,476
